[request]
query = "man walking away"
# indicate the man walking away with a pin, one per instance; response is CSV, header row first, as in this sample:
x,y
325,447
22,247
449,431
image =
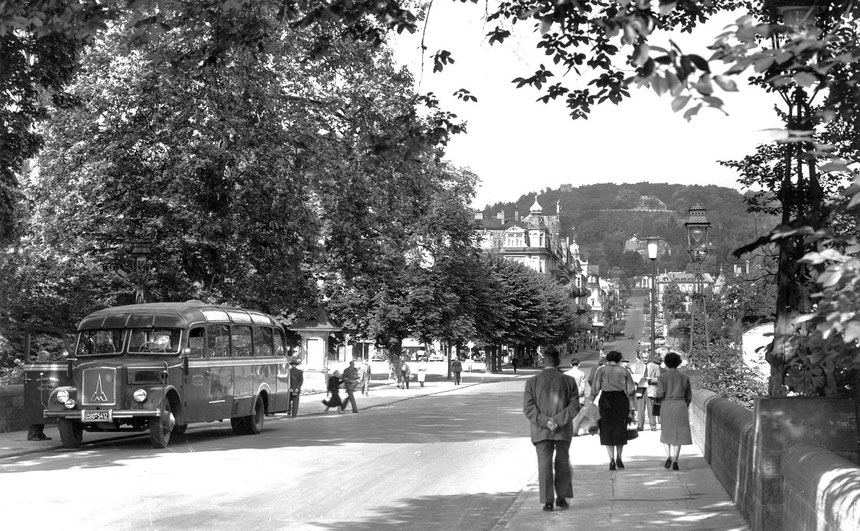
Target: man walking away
x,y
365,376
456,368
297,378
579,377
550,402
350,381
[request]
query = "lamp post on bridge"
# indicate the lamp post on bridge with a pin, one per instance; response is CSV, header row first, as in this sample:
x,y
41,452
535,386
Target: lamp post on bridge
x,y
140,253
698,228
652,255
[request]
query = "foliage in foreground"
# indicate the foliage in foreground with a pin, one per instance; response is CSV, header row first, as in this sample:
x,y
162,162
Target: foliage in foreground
x,y
728,376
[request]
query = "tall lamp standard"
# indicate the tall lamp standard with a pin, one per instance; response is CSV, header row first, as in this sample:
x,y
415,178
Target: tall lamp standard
x,y
698,228
140,256
652,255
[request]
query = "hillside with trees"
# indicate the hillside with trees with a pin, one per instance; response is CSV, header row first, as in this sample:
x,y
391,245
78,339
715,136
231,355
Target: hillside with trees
x,y
601,217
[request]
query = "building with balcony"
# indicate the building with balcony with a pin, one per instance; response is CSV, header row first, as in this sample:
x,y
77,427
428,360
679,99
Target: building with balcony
x,y
533,240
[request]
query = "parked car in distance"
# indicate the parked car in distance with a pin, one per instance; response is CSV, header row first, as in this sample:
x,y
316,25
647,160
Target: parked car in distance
x,y
436,357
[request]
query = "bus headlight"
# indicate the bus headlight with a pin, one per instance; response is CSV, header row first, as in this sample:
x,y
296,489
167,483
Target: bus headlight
x,y
62,396
140,395
70,403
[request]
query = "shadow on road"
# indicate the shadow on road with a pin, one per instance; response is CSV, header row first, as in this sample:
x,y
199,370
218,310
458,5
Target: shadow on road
x,y
419,420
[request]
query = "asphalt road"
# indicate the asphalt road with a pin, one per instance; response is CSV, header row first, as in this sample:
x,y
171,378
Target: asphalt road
x,y
441,461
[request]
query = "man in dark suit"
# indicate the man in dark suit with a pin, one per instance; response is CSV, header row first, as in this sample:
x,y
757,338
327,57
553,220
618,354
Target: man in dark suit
x,y
297,378
550,402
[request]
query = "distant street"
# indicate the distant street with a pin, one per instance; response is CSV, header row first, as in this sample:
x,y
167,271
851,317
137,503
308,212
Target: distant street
x,y
446,460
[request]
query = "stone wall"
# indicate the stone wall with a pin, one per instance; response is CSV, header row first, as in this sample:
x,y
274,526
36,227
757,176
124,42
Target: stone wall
x,y
760,456
821,490
12,408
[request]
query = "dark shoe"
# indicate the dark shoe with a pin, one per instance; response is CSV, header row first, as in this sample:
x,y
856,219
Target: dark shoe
x,y
561,502
668,462
612,464
39,437
653,428
619,463
675,466
547,507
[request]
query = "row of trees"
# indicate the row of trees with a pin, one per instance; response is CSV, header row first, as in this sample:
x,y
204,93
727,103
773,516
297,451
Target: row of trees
x,y
270,176
609,45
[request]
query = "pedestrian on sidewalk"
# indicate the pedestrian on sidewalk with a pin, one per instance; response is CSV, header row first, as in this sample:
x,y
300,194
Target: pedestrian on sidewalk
x,y
405,373
652,373
350,382
364,372
514,362
422,371
333,392
296,380
456,368
640,369
550,402
593,373
615,386
579,377
675,394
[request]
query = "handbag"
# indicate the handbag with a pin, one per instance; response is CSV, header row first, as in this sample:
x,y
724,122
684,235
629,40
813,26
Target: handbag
x,y
632,434
655,410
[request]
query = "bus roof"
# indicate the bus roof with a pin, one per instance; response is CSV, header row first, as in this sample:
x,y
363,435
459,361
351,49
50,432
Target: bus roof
x,y
170,315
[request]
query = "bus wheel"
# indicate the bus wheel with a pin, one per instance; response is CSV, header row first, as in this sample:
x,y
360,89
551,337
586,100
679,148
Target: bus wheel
x,y
71,432
160,428
179,429
239,425
255,421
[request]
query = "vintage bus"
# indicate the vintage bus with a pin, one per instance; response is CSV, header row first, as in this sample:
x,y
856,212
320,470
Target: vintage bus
x,y
162,366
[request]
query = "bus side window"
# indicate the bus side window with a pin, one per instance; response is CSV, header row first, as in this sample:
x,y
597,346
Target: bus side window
x,y
262,341
241,340
218,345
196,340
279,343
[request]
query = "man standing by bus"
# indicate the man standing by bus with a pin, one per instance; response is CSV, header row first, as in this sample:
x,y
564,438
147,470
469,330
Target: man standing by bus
x,y
297,378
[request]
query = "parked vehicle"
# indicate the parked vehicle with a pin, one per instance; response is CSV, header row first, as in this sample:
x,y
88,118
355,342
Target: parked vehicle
x,y
161,366
436,357
47,366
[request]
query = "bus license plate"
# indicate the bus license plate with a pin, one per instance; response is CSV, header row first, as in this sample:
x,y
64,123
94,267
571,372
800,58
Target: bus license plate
x,y
97,416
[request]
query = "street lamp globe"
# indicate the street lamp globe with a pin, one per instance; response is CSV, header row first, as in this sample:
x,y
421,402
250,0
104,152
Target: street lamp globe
x,y
652,249
698,228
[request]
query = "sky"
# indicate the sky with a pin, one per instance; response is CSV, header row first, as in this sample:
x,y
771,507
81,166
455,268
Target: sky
x,y
516,145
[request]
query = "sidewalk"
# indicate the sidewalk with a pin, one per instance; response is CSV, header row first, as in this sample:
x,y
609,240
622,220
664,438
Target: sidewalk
x,y
642,496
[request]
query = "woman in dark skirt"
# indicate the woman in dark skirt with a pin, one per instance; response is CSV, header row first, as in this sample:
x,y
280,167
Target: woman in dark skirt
x,y
616,387
333,388
675,395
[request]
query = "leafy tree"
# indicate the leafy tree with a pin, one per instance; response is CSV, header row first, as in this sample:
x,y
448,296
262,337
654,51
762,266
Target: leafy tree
x,y
673,299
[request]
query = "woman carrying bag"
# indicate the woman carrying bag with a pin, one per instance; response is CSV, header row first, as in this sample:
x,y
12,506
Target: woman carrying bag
x,y
616,388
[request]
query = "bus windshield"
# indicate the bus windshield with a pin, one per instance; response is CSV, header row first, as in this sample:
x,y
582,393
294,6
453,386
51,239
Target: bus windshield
x,y
154,340
100,342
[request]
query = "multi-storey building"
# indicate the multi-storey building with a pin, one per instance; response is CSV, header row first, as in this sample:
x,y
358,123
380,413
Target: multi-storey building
x,y
532,240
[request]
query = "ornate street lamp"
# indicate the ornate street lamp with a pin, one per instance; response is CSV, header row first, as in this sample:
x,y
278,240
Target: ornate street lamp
x,y
698,231
140,253
652,255
799,15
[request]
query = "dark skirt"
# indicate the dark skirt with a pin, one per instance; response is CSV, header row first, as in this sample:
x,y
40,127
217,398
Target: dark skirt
x,y
614,410
334,401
